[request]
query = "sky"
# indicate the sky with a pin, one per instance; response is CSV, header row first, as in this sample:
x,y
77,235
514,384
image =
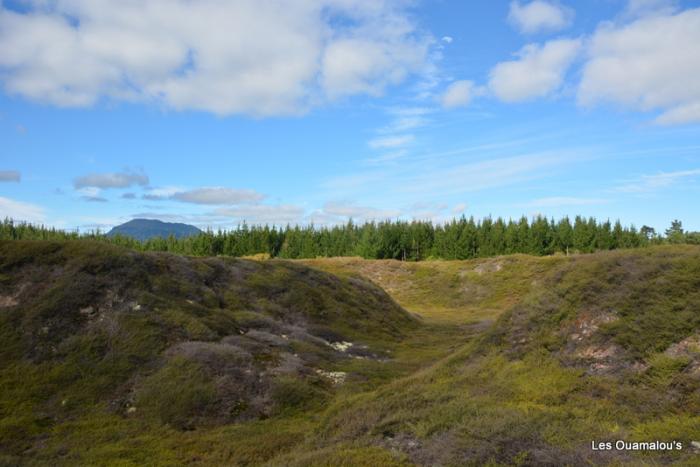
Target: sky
x,y
317,111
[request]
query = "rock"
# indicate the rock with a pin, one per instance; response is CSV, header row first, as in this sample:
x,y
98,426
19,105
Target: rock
x,y
588,323
7,301
688,347
599,352
336,377
341,346
490,266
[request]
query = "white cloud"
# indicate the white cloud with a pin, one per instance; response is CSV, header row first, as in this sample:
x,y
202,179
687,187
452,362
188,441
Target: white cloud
x,y
483,175
340,212
91,194
539,16
161,193
538,71
459,208
447,39
389,142
650,64
111,180
640,8
649,183
20,211
428,178
563,201
407,118
458,94
89,191
10,176
387,158
263,214
218,195
215,195
259,57
350,210
427,211
684,113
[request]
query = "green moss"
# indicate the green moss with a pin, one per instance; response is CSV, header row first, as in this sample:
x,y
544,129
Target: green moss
x,y
290,394
178,394
342,456
663,369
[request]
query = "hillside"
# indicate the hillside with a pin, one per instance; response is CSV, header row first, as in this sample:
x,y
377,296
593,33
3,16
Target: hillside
x,y
145,358
604,347
144,229
95,332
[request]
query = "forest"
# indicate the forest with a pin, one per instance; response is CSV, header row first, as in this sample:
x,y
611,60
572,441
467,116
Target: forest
x,y
462,238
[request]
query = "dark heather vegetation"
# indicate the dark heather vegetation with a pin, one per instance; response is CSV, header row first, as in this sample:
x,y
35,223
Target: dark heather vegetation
x,y
460,239
95,333
116,357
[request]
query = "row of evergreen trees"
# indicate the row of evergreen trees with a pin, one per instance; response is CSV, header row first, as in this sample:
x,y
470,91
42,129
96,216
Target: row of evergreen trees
x,y
412,241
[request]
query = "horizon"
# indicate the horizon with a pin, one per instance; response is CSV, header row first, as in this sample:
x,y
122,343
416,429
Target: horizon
x,y
441,223
334,110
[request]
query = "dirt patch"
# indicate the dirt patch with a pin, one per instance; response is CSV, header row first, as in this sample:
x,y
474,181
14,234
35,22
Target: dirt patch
x,y
491,266
588,323
585,347
688,348
7,301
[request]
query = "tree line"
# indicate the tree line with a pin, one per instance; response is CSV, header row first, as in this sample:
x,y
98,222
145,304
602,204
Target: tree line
x,y
462,238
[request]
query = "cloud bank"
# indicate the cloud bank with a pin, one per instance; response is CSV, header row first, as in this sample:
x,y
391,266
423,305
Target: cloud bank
x,y
218,195
111,180
652,63
537,72
256,57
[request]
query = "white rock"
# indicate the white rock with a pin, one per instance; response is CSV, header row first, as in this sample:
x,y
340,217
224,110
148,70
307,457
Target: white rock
x,y
341,346
336,377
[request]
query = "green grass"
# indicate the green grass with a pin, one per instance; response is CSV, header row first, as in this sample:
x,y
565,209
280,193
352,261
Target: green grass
x,y
451,292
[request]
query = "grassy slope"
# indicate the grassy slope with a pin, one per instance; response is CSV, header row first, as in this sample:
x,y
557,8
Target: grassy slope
x,y
588,354
518,361
110,354
450,292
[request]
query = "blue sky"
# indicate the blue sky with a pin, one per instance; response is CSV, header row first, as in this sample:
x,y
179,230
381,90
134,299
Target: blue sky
x,y
213,113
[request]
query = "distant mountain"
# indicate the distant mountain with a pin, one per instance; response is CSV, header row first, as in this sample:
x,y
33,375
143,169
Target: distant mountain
x,y
143,229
